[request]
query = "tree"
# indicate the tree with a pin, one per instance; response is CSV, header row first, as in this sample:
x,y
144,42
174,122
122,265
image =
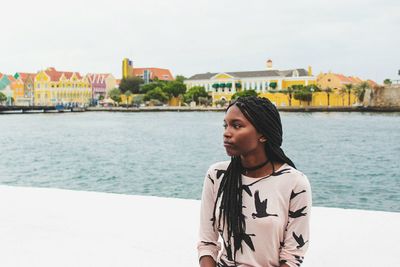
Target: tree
x,y
115,94
347,89
156,94
194,93
328,90
101,97
127,95
138,99
151,86
273,85
180,78
303,95
3,98
132,84
288,92
360,91
175,88
387,82
244,93
204,101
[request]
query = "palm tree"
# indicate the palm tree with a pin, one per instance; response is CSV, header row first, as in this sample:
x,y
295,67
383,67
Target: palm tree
x,y
289,92
347,89
360,91
3,98
328,90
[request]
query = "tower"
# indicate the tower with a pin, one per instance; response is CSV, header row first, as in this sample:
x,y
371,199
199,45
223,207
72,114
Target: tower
x,y
126,68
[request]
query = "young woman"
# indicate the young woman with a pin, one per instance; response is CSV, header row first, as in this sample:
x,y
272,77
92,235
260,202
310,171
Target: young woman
x,y
257,203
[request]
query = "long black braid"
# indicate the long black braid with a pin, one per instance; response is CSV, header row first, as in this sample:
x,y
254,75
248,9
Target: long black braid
x,y
264,116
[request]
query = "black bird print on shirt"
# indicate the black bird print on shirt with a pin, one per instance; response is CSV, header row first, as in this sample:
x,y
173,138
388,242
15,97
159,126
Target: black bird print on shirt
x,y
297,213
222,263
283,171
208,243
261,207
247,239
220,172
293,194
299,239
209,177
299,259
246,188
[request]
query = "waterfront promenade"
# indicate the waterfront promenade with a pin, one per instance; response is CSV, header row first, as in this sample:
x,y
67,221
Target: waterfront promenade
x,y
53,227
50,109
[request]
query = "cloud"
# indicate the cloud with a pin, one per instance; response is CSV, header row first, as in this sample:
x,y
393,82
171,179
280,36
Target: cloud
x,y
352,37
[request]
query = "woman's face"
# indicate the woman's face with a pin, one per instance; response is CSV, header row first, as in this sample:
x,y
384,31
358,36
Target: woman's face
x,y
240,136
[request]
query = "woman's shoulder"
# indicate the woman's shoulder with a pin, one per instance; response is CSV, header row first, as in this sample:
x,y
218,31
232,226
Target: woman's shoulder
x,y
218,168
295,175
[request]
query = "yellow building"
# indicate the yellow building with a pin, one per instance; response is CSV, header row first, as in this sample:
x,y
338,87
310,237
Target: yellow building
x,y
54,87
335,81
224,84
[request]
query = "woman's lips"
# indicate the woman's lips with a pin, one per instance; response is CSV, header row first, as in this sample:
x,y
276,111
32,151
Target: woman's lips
x,y
228,144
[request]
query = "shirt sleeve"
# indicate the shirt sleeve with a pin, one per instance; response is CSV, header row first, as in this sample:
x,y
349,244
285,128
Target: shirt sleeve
x,y
208,236
296,238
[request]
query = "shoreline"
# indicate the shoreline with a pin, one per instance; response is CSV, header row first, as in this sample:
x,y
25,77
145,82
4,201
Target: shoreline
x,y
52,110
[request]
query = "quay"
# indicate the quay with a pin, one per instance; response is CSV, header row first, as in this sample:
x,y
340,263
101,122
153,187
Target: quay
x,y
54,227
52,109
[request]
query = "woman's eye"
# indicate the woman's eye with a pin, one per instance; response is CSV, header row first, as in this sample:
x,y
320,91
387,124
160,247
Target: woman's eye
x,y
224,125
236,126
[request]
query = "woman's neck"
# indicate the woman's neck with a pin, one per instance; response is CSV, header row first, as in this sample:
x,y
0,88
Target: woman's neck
x,y
250,162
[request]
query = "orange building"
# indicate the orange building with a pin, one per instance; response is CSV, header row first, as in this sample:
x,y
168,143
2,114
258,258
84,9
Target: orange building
x,y
337,81
147,74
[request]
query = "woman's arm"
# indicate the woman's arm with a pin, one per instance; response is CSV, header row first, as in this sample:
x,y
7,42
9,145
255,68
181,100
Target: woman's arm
x,y
207,261
296,238
208,245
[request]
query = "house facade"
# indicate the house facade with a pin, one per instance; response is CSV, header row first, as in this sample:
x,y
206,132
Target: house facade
x,y
5,88
54,87
224,84
147,74
27,81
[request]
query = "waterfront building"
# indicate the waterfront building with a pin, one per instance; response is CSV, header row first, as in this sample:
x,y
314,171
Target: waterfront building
x,y
223,85
98,85
147,74
54,87
101,84
22,87
336,81
5,88
111,82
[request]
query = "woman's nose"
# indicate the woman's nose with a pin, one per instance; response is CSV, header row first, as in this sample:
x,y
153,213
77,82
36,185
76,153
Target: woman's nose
x,y
227,133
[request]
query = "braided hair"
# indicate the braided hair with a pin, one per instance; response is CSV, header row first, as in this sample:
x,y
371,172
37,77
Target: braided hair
x,y
264,116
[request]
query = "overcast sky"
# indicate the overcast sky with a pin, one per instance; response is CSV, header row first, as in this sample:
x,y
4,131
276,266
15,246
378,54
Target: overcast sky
x,y
353,37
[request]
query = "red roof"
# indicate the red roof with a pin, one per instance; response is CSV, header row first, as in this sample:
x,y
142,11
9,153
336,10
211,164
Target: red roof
x,y
56,75
161,74
26,75
372,83
11,78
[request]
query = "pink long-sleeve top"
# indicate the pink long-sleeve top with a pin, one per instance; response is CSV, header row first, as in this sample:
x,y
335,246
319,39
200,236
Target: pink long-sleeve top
x,y
277,215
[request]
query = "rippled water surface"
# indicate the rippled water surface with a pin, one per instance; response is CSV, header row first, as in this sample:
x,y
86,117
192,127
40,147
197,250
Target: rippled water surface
x,y
351,159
